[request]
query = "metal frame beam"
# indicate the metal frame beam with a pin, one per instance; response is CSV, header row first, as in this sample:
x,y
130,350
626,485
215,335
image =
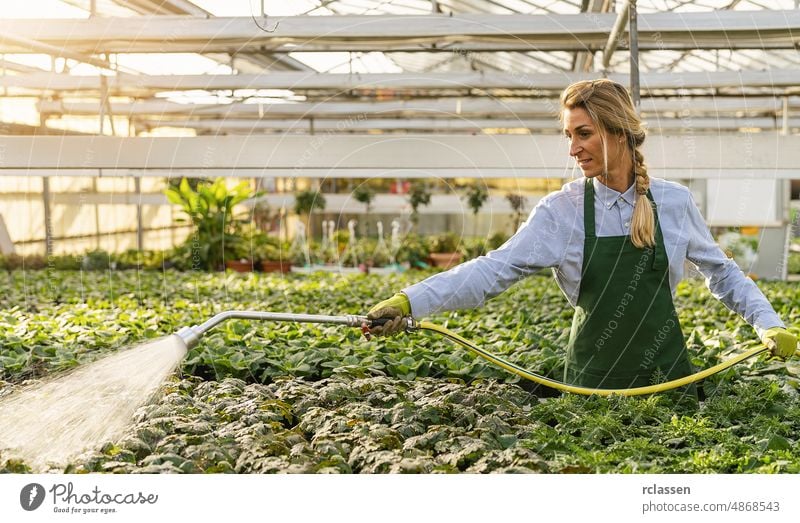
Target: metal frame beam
x,y
765,29
721,156
129,84
662,125
445,108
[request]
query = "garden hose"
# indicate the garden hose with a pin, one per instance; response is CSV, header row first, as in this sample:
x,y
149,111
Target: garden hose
x,y
191,337
542,380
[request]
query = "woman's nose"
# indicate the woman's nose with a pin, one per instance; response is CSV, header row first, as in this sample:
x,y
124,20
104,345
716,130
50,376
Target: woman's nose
x,y
574,149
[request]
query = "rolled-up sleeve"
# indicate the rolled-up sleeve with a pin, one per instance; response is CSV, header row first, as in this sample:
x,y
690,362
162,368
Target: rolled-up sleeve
x,y
724,278
539,243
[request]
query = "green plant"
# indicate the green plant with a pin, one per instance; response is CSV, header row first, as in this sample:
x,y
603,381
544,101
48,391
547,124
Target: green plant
x,y
413,250
794,263
65,262
287,397
445,242
97,260
368,250
210,209
496,240
136,259
28,262
364,194
418,195
270,249
475,195
518,203
474,247
306,201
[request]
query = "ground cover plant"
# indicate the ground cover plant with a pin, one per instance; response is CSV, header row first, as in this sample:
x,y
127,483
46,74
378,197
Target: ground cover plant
x,y
267,397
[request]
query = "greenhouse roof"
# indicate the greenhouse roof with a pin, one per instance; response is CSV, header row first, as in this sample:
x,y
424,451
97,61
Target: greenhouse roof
x,y
182,63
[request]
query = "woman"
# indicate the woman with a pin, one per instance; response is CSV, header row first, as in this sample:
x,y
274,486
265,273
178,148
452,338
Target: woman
x,y
616,241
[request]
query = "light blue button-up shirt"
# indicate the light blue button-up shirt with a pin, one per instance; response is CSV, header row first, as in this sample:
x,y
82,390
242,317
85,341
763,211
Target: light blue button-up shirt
x,y
552,237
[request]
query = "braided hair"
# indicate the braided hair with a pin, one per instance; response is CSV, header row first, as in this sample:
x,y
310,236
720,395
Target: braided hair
x,y
610,107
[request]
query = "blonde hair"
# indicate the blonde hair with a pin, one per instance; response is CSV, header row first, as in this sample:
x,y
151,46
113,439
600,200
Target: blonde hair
x,y
611,109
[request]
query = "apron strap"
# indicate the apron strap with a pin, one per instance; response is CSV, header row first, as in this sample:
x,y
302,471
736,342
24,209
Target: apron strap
x,y
588,209
659,251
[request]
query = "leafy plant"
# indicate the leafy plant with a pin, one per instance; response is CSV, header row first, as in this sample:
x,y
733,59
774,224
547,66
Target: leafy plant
x,y
475,195
210,209
496,240
414,250
364,194
286,397
518,203
794,263
445,242
306,201
97,260
418,196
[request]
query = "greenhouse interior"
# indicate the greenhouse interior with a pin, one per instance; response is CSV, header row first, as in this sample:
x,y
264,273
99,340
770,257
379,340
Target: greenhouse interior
x,y
243,202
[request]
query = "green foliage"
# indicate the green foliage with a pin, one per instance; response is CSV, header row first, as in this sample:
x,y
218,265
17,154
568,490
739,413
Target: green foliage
x,y
414,250
282,397
794,263
476,195
446,242
418,195
136,259
306,201
11,262
518,203
364,194
97,260
210,209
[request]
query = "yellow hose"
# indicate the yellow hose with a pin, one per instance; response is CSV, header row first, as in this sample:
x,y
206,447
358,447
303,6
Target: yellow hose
x,y
638,391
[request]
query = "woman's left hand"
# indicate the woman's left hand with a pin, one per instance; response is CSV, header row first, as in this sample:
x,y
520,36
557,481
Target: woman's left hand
x,y
782,342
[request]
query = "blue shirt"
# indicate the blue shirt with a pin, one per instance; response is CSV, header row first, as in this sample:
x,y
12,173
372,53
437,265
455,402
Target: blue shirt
x,y
552,237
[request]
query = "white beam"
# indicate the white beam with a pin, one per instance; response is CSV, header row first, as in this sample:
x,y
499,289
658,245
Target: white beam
x,y
32,46
466,32
132,84
722,173
686,155
335,202
660,124
451,107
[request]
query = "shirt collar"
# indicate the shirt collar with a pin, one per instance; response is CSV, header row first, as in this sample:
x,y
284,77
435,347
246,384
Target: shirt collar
x,y
609,196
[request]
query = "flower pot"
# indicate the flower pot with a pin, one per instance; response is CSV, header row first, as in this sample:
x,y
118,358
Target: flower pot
x,y
239,265
283,266
445,260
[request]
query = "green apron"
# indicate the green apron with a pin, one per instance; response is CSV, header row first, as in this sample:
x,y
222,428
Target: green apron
x,y
625,332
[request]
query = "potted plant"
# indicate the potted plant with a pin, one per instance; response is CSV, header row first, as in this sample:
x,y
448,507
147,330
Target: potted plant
x,y
210,208
271,257
445,251
413,252
237,254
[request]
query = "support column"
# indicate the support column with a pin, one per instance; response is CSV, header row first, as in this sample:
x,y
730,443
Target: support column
x,y
633,32
48,218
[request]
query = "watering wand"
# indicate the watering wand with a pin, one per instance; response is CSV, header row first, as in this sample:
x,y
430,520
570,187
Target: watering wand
x,y
191,337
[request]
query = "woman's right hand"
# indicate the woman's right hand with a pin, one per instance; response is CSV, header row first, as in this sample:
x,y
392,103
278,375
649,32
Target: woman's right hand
x,y
395,309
